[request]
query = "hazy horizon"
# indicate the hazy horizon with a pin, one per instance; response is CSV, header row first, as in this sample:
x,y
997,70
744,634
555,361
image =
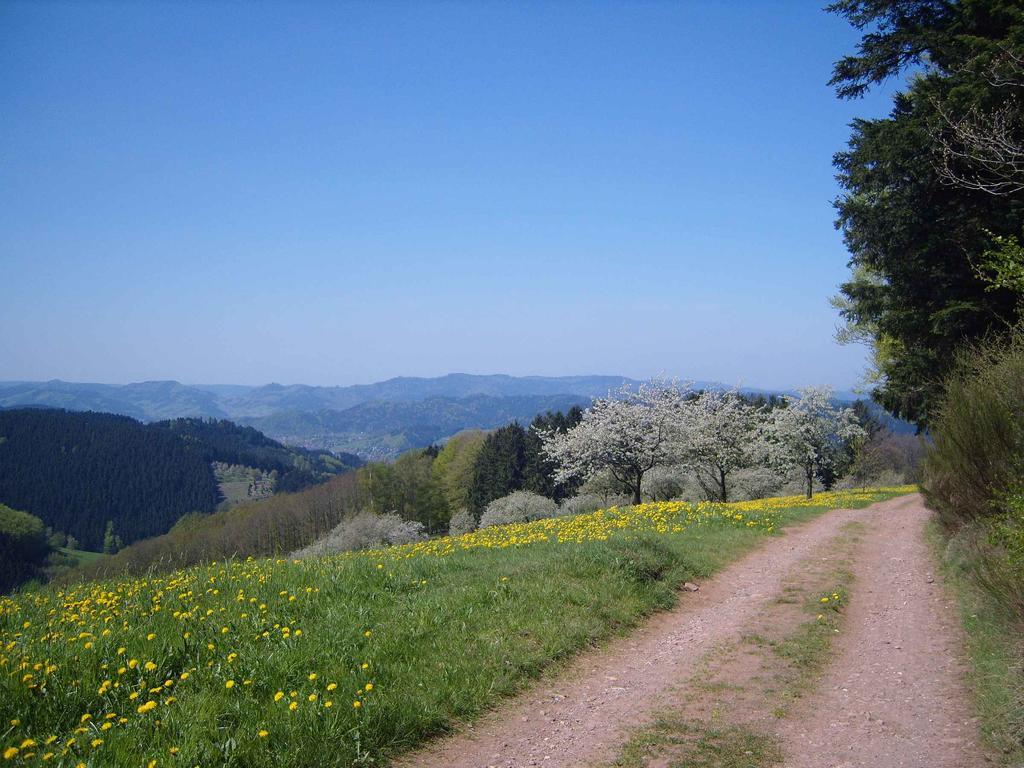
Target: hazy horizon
x,y
346,193
682,380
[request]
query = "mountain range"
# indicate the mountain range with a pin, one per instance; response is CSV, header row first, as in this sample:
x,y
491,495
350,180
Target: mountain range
x,y
375,421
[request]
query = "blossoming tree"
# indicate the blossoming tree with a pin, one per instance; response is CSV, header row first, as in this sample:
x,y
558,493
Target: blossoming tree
x,y
722,434
810,433
628,434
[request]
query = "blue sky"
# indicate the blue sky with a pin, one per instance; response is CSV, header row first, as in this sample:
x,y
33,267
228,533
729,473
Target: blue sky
x,y
336,193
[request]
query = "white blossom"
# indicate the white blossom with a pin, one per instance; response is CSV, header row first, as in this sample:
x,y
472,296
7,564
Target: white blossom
x,y
810,434
722,434
627,433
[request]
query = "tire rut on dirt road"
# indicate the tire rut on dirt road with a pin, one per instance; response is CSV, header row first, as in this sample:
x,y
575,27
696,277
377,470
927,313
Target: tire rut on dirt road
x,y
586,712
894,695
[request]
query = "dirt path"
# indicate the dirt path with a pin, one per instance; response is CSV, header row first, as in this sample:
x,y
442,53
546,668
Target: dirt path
x,y
894,695
585,714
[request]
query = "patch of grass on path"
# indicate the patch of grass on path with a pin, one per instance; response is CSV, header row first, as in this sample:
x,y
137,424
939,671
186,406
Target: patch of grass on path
x,y
725,714
344,659
695,744
994,645
805,653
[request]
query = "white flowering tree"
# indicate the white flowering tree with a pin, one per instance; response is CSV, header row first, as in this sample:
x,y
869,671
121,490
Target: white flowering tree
x,y
810,433
628,434
723,434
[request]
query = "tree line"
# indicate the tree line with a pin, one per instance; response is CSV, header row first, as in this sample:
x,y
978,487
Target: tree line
x,y
713,434
480,477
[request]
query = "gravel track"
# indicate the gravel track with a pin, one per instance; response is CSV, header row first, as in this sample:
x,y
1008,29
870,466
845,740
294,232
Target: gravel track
x,y
894,694
893,697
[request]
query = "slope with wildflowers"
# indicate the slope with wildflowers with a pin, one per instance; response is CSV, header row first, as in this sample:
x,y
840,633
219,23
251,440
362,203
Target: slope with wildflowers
x,y
350,658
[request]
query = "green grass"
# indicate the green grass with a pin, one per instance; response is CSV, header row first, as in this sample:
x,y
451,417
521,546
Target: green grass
x,y
994,645
695,744
81,556
805,652
442,638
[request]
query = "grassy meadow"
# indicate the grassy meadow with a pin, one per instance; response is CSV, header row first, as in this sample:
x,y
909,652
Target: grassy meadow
x,y
347,659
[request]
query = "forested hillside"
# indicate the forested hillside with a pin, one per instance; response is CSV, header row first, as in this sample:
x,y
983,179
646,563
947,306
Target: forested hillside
x,y
429,488
76,471
225,441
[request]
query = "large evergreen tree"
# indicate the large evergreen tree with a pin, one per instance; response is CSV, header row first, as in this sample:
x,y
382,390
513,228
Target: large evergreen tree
x,y
499,466
512,459
916,237
539,470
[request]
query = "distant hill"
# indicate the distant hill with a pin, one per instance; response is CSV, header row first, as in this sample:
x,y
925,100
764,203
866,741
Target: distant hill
x,y
383,429
75,470
375,421
224,441
156,400
272,398
146,401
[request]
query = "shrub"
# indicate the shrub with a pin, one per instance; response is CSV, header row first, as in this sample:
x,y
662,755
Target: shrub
x,y
365,531
664,483
518,507
582,504
463,521
887,458
978,453
755,483
24,547
973,478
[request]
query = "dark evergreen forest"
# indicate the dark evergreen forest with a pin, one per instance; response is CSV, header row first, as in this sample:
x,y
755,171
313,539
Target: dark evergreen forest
x,y
76,471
